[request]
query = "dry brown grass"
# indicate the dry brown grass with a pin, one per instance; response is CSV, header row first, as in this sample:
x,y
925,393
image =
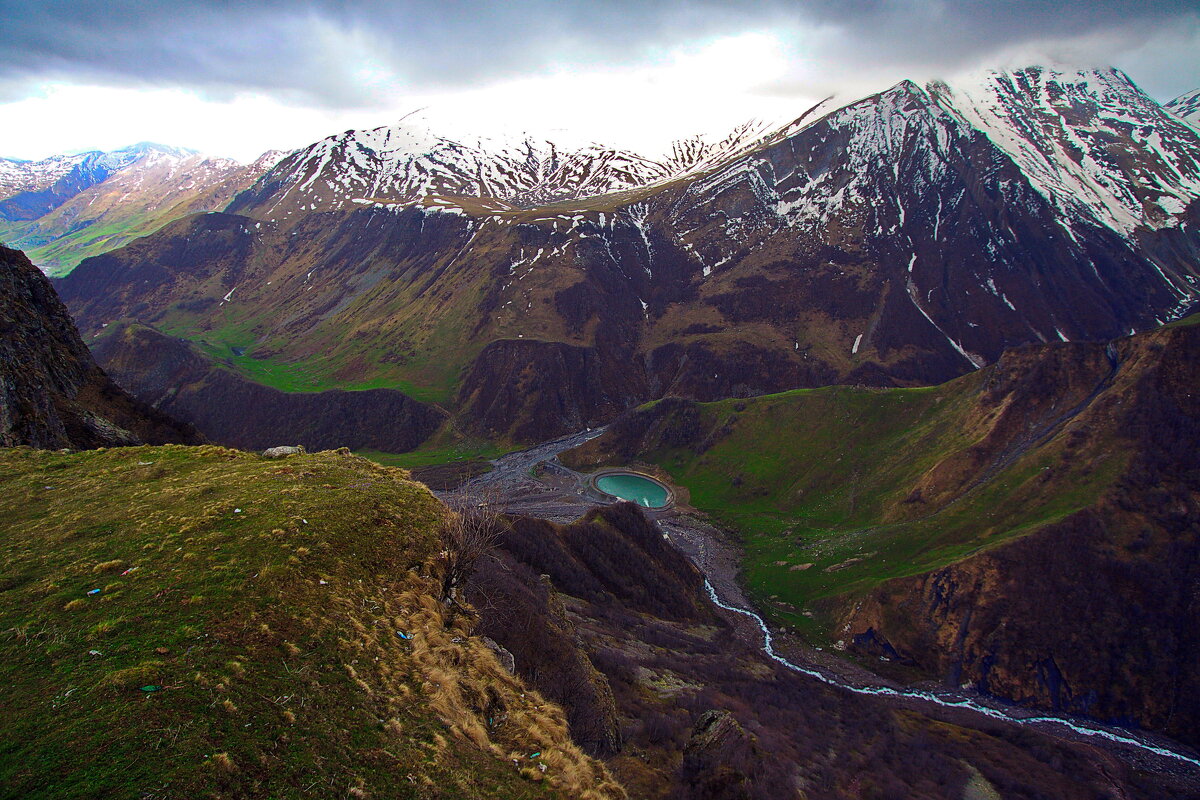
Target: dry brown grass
x,y
484,704
223,763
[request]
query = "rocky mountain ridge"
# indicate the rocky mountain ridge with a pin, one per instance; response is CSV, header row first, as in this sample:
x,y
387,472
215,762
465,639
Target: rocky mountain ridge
x,y
1187,105
409,161
899,240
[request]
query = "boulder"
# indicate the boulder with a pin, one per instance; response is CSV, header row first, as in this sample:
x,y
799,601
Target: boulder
x,y
505,658
283,451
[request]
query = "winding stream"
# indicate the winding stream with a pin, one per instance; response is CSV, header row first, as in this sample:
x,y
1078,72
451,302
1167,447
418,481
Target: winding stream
x,y
947,701
525,495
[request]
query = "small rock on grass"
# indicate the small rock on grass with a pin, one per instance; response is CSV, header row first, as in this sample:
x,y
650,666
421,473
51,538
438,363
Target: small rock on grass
x,y
283,451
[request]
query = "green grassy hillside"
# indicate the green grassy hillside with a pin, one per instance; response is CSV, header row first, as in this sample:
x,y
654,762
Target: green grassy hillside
x,y
835,490
191,622
60,255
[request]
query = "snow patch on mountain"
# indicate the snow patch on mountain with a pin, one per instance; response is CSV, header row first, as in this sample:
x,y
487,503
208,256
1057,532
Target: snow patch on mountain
x,y
1091,142
409,161
1186,106
17,175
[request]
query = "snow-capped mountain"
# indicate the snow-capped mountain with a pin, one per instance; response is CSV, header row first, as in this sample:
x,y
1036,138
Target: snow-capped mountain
x,y
698,153
904,238
1187,106
18,175
979,199
1090,142
409,161
29,189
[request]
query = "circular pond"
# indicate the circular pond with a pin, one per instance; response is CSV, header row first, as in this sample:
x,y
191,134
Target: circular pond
x,y
637,488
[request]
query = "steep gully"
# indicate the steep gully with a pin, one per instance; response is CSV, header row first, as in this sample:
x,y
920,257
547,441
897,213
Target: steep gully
x,y
562,495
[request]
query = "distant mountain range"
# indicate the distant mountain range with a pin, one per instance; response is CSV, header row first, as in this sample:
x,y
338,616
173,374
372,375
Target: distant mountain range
x,y
902,239
63,209
31,188
409,162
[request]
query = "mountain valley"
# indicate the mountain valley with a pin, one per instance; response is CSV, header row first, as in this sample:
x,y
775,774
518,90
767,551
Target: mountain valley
x,y
915,373
107,199
929,526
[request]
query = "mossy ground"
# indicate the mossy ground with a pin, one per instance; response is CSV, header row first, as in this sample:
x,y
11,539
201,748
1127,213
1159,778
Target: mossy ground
x,y
243,640
239,347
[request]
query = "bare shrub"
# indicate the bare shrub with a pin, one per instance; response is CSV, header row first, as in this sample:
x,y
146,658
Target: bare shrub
x,y
469,532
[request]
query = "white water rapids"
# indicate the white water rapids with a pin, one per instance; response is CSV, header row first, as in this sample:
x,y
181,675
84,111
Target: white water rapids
x,y
957,702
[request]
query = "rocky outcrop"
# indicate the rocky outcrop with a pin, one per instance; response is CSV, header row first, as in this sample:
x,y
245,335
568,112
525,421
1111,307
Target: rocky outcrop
x,y
1095,614
719,759
231,410
535,637
283,451
611,558
52,393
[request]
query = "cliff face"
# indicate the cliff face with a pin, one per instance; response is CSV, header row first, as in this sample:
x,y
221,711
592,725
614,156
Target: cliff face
x,y
1096,614
535,390
237,412
52,393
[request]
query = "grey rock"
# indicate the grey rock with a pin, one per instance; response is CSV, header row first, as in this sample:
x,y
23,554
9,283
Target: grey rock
x,y
283,451
502,655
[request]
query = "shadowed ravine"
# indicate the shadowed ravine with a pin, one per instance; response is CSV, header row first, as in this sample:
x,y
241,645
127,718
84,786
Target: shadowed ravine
x,y
561,494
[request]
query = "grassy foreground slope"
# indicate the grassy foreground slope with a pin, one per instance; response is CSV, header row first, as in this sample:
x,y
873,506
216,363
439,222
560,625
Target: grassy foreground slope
x,y
243,641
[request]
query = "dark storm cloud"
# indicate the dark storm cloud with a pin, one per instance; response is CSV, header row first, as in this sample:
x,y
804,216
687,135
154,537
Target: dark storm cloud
x,y
314,49
927,36
325,51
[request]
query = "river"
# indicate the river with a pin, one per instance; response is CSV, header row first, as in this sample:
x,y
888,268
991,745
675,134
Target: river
x,y
562,495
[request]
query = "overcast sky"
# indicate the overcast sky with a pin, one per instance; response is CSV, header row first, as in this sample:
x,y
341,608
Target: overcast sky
x,y
235,79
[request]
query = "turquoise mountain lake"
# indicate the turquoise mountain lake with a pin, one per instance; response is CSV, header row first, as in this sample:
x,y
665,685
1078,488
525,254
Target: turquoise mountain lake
x,y
644,492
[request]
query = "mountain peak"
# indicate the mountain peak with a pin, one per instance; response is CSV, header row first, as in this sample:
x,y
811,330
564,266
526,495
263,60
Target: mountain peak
x,y
1036,114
